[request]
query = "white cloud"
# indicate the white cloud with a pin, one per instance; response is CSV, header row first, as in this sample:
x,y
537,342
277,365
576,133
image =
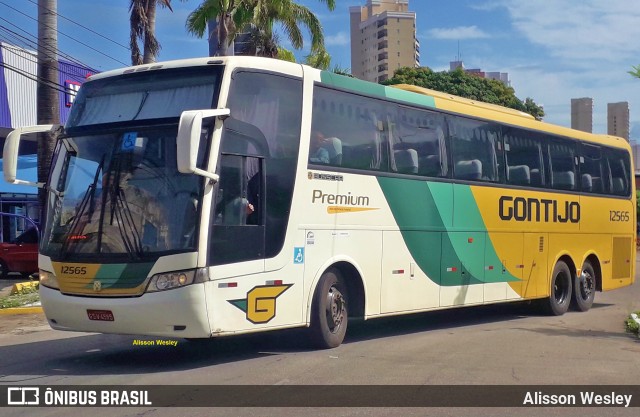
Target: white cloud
x,y
339,39
579,30
457,33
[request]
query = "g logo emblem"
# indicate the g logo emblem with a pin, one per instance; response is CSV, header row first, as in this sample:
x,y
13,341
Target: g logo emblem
x,y
260,304
97,286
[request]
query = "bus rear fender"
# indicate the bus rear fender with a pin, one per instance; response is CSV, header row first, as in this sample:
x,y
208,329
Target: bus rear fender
x,y
356,287
595,263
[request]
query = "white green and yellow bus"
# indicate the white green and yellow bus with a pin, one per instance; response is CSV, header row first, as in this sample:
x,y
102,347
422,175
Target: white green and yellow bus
x,y
220,196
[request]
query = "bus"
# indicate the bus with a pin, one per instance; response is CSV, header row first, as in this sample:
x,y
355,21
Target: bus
x,y
228,195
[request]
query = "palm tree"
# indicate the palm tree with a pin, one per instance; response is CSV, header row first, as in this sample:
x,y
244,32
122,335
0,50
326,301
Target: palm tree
x,y
233,15
261,42
143,27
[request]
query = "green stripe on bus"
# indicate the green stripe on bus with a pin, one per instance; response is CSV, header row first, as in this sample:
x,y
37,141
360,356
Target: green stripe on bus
x,y
123,275
365,87
424,214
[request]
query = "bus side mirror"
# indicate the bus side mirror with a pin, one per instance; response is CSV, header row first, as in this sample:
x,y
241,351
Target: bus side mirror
x,y
10,152
188,141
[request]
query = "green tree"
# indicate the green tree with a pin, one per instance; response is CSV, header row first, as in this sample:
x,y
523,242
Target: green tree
x,y
465,85
143,27
286,55
234,15
318,59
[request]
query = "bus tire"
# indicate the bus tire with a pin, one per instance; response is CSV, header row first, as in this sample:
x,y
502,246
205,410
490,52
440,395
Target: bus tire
x,y
558,302
329,313
584,288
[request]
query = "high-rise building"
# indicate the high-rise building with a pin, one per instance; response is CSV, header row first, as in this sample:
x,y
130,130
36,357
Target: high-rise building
x,y
582,114
618,119
383,39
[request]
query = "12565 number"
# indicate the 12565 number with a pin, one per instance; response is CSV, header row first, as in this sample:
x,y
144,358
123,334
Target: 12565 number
x,y
74,270
619,216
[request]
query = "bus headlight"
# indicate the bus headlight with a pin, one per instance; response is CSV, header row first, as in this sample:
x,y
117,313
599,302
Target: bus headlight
x,y
49,280
170,280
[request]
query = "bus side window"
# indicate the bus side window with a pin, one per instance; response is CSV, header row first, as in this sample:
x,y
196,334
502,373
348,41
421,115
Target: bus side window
x,y
523,157
474,147
619,166
591,169
563,167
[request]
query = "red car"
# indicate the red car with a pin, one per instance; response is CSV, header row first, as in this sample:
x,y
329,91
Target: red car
x,y
20,255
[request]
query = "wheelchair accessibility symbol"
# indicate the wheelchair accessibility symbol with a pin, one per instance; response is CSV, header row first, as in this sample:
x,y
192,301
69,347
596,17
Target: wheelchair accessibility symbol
x,y
298,255
129,141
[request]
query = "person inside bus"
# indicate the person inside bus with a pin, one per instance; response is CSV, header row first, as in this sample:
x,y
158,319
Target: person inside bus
x,y
318,153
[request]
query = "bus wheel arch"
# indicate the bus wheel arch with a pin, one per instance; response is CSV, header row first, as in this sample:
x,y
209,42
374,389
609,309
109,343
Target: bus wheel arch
x,y
586,284
337,295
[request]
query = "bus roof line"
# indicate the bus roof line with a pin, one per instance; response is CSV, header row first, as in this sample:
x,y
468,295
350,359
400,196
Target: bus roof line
x,y
451,97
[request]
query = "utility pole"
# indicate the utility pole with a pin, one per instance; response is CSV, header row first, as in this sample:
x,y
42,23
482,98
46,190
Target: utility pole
x,y
48,102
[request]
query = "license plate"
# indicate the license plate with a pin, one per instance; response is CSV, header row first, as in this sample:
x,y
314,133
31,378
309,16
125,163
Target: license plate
x,y
101,315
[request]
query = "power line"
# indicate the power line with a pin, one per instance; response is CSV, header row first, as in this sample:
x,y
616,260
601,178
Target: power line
x,y
34,44
70,37
32,77
77,77
84,27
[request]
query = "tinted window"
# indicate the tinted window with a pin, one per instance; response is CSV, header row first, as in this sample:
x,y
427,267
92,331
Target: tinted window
x,y
523,156
418,143
349,130
266,112
562,158
619,168
593,170
474,148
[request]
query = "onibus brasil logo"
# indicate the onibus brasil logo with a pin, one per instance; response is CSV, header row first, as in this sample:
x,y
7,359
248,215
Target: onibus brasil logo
x,y
260,304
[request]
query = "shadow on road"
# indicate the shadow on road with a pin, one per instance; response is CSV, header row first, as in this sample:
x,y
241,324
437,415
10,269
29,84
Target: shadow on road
x,y
117,354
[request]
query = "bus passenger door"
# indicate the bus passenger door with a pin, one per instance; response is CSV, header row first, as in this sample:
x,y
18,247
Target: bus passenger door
x,y
238,231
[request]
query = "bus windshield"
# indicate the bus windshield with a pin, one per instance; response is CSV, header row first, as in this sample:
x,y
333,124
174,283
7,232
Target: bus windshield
x,y
145,96
120,194
114,185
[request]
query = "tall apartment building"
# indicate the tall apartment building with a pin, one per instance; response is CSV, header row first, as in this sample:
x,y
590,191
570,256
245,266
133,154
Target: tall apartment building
x,y
383,39
582,114
618,119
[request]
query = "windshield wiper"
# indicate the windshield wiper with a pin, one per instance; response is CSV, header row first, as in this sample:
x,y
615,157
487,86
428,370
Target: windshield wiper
x,y
87,201
126,226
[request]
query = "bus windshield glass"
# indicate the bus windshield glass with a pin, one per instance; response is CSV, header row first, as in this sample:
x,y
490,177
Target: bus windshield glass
x,y
145,96
120,194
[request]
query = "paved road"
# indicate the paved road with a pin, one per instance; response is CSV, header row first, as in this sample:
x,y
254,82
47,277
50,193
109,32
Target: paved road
x,y
505,344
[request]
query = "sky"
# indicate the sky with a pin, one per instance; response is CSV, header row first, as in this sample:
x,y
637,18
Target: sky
x,y
553,50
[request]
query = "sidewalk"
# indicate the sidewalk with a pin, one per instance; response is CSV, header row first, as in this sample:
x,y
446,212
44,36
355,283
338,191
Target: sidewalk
x,y
19,320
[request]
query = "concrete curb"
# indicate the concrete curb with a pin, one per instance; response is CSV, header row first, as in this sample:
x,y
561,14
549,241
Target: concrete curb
x,y
21,286
20,310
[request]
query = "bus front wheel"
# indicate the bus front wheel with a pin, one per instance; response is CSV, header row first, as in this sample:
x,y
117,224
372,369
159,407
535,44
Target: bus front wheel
x,y
561,290
584,288
329,313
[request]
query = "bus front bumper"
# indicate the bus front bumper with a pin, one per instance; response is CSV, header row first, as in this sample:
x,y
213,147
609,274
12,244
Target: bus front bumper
x,y
179,312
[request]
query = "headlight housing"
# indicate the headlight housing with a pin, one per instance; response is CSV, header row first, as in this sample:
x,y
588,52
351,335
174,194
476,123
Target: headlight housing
x,y
170,280
49,280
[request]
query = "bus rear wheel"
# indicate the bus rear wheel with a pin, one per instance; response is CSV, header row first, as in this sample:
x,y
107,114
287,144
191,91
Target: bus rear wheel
x,y
561,290
329,313
584,288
